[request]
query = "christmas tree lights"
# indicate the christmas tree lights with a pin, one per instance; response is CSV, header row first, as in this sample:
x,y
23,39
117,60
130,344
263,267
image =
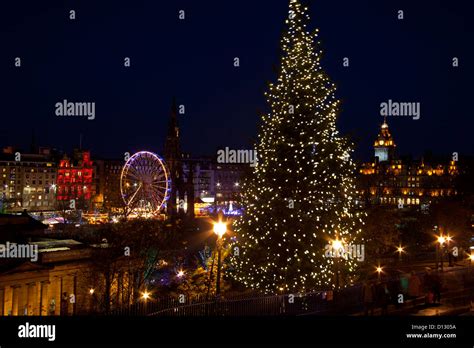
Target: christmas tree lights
x,y
301,195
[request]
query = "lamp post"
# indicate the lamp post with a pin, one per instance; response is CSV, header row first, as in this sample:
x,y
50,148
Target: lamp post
x,y
145,297
220,229
337,246
400,251
441,241
435,229
379,271
471,261
92,300
450,258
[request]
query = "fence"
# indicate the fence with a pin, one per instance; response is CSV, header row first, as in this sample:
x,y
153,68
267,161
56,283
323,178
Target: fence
x,y
345,301
247,305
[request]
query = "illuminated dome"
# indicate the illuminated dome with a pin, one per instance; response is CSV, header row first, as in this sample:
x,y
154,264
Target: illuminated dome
x,y
384,138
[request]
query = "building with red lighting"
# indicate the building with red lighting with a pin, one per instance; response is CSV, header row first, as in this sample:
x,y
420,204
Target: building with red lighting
x,y
75,178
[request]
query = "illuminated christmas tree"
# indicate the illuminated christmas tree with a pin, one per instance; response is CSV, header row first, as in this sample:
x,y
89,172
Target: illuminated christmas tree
x,y
301,195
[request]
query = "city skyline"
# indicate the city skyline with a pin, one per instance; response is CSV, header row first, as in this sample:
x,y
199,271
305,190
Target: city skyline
x,y
34,146
386,62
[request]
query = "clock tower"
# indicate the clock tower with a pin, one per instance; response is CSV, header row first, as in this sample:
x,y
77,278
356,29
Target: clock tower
x,y
384,145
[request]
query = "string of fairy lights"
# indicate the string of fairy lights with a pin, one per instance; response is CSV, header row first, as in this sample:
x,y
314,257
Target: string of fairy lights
x,y
301,195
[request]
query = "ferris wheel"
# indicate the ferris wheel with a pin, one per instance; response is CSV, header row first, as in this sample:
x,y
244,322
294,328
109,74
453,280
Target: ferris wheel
x,y
144,184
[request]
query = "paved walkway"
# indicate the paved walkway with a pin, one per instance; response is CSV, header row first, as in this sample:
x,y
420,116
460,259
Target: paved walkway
x,y
455,299
425,310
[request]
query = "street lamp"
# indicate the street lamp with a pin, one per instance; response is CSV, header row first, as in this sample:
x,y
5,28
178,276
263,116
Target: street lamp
x,y
440,245
379,271
220,229
337,246
470,261
450,258
145,295
400,251
92,300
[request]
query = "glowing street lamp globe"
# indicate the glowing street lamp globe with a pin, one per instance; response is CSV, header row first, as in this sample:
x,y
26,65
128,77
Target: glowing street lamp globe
x,y
146,295
220,228
337,244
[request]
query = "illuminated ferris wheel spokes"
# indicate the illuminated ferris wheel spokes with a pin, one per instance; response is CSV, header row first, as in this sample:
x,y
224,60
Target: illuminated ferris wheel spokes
x,y
144,183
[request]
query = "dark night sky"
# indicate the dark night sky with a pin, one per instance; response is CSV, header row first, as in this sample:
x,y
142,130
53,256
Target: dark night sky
x,y
82,60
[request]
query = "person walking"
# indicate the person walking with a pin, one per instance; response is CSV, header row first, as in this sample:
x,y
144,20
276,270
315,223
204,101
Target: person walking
x,y
404,282
414,285
428,286
436,288
382,297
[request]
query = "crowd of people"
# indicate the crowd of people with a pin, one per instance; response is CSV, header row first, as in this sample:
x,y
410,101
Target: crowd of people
x,y
380,294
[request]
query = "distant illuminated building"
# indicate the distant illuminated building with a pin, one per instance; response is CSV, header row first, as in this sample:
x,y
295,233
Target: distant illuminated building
x,y
228,178
27,181
216,186
384,145
390,181
75,178
107,182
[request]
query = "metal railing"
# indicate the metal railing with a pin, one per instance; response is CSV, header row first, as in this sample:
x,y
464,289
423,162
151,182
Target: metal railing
x,y
247,305
346,301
